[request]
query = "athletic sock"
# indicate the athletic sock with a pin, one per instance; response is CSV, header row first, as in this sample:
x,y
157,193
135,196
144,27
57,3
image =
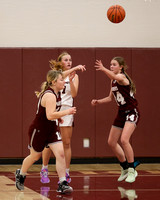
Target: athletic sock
x,y
131,165
23,174
67,171
44,166
124,165
62,179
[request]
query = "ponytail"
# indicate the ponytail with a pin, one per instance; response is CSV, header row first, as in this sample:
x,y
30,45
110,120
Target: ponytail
x,y
52,75
44,86
132,85
55,65
122,62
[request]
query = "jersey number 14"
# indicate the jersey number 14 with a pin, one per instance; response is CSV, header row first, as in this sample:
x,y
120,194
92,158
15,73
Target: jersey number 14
x,y
120,99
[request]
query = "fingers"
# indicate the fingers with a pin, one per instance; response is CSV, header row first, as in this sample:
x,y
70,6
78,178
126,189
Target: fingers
x,y
82,68
94,102
72,75
98,65
73,110
61,121
98,62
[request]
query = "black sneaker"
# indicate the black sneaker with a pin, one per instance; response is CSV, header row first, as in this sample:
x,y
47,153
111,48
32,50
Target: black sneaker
x,y
64,188
19,180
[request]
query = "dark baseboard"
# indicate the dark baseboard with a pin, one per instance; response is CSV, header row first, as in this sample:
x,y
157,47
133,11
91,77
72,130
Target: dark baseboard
x,y
103,160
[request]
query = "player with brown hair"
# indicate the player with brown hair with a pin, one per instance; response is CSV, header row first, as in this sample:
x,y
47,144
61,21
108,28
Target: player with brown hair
x,y
122,90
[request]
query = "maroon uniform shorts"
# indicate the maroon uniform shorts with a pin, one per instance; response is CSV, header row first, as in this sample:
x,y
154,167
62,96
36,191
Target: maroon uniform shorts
x,y
39,138
124,116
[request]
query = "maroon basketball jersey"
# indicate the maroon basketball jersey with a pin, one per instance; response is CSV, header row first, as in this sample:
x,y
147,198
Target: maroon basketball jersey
x,y
123,96
41,119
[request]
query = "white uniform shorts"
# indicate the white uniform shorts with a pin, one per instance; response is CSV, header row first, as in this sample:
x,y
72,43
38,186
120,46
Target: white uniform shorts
x,y
67,119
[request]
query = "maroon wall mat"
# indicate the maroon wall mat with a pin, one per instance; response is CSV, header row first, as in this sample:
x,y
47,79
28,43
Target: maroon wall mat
x,y
24,69
11,103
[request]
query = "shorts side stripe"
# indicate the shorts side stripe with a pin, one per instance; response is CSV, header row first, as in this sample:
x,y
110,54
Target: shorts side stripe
x,y
136,115
33,134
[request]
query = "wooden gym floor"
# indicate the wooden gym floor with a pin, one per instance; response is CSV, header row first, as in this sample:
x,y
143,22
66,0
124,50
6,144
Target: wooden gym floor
x,y
90,182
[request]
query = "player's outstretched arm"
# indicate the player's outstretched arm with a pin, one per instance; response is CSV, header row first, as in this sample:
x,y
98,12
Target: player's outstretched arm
x,y
107,99
99,67
69,71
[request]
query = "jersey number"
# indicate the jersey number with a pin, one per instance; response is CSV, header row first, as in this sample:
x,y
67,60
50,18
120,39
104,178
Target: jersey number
x,y
131,117
120,98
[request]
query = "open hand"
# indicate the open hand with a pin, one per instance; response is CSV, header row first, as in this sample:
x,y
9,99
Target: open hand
x,y
99,65
81,67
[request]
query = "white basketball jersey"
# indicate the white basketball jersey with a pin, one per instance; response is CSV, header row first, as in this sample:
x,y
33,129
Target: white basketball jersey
x,y
66,96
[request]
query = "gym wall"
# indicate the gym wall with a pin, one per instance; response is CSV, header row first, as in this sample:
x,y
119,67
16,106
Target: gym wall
x,y
78,23
33,32
24,69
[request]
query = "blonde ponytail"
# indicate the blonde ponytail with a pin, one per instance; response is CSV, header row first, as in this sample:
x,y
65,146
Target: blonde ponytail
x,y
44,86
55,65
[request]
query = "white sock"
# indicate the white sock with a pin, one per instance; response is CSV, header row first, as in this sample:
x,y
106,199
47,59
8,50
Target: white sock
x,y
62,179
21,173
44,166
67,171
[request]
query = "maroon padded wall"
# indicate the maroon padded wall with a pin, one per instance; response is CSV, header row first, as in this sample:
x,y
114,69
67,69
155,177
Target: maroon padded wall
x,y
35,67
146,70
11,103
23,71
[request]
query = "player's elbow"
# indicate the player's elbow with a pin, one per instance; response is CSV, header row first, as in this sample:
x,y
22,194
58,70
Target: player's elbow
x,y
110,99
74,95
50,116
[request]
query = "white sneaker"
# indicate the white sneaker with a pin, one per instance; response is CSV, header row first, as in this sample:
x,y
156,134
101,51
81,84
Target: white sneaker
x,y
124,174
122,192
132,174
129,194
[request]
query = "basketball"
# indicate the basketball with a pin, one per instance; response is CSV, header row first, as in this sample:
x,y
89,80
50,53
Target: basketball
x,y
116,14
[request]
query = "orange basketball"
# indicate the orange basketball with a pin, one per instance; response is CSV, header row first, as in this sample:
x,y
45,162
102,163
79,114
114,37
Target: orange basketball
x,y
116,14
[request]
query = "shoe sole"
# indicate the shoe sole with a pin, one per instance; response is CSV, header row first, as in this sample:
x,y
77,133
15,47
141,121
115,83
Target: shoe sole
x,y
124,177
21,189
67,191
44,182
